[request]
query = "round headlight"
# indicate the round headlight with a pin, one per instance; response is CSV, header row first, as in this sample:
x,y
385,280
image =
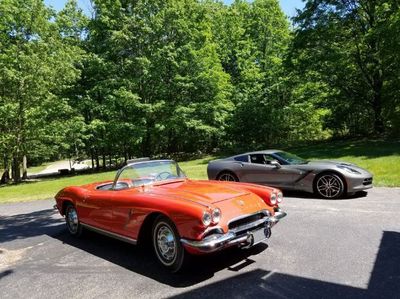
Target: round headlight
x,y
206,219
272,199
280,197
216,215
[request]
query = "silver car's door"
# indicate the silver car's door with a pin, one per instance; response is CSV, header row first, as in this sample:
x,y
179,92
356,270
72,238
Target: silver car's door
x,y
259,172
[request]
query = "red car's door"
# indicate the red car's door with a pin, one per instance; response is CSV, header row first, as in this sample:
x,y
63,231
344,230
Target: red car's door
x,y
95,209
127,213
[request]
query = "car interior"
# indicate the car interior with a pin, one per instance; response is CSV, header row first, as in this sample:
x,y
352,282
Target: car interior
x,y
261,159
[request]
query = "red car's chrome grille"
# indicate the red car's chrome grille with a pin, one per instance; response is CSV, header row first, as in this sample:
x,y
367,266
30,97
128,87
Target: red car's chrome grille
x,y
242,222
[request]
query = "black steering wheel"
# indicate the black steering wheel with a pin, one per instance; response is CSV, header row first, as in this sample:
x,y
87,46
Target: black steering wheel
x,y
164,175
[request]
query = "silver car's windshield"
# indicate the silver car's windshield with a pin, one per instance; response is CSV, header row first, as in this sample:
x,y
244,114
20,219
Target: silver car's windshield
x,y
290,158
145,173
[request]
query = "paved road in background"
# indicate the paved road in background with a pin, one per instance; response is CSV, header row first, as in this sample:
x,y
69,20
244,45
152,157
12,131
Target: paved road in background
x,y
65,164
323,248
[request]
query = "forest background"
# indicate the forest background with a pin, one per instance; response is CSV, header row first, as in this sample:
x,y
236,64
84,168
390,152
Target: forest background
x,y
180,77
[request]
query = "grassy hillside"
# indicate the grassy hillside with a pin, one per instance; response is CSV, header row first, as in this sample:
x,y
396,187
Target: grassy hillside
x,y
382,158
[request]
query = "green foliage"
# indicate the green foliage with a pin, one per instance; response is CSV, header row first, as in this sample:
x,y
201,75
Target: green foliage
x,y
36,66
161,77
352,48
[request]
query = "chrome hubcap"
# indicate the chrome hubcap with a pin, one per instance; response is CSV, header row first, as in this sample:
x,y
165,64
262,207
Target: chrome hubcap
x,y
72,220
329,186
227,177
166,244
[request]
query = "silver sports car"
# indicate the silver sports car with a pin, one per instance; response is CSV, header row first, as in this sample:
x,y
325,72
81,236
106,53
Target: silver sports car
x,y
328,179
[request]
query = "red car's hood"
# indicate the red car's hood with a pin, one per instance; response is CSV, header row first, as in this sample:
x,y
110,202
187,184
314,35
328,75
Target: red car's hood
x,y
201,191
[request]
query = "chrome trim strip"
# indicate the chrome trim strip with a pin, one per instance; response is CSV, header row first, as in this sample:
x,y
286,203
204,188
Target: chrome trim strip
x,y
104,184
250,225
110,234
278,215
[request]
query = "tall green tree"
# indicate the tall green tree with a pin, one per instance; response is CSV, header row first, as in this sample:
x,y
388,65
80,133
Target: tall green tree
x,y
161,87
36,65
345,45
253,42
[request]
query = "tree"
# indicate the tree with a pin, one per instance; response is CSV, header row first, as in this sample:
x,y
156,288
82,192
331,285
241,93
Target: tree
x,y
159,85
253,42
36,66
345,45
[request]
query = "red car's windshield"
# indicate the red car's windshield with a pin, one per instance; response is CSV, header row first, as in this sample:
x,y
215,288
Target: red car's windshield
x,y
149,172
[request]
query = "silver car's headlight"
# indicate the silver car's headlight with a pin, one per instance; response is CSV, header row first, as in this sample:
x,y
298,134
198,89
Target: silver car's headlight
x,y
206,219
272,199
216,215
349,169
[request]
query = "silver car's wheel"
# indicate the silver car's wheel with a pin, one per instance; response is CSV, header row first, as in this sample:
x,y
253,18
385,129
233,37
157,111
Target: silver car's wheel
x,y
227,176
167,245
72,221
329,185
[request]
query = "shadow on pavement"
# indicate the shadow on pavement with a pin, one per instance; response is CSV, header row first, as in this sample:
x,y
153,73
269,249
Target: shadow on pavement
x,y
29,225
141,259
300,194
384,281
6,273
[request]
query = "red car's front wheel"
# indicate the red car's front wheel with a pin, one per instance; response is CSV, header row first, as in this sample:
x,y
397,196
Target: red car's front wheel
x,y
167,245
72,221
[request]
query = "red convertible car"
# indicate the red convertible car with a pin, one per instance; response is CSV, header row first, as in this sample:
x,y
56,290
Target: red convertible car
x,y
153,200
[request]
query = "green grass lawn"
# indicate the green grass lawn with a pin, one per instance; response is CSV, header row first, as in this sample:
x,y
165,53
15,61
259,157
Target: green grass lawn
x,y
382,158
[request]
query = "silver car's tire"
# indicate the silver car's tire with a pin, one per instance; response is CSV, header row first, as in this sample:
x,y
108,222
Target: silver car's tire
x,y
72,221
329,186
167,245
227,176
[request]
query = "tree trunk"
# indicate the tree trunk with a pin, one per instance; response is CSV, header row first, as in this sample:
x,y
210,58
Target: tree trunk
x,y
125,157
146,144
97,161
24,168
104,161
377,107
6,174
16,174
92,157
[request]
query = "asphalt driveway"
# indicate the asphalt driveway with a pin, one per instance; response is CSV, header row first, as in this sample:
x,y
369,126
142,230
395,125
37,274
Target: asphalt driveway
x,y
322,249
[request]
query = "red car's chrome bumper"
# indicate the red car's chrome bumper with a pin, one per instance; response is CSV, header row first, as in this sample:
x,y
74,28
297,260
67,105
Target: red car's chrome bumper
x,y
254,235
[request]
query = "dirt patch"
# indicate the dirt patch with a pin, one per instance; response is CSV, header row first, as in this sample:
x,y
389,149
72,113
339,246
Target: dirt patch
x,y
10,257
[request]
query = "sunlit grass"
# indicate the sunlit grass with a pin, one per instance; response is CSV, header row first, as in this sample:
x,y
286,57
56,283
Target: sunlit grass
x,y
196,169
379,157
49,187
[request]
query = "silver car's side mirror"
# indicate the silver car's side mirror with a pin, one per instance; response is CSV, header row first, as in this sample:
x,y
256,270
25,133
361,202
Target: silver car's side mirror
x,y
275,163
